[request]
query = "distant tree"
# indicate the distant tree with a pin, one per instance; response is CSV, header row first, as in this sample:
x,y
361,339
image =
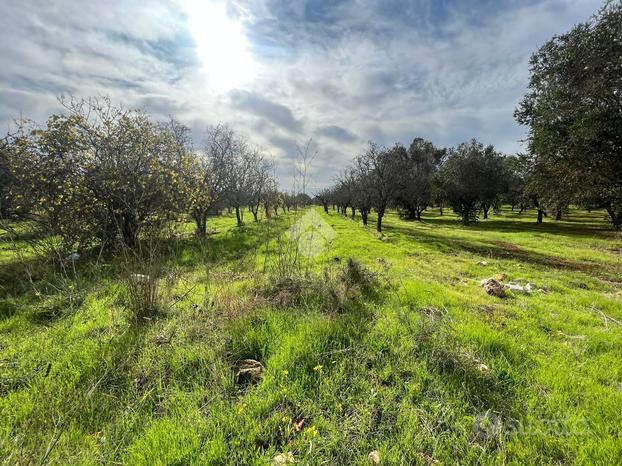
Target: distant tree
x,y
416,178
272,198
350,187
494,179
361,191
288,201
379,166
241,178
470,178
208,175
260,182
324,197
574,112
515,176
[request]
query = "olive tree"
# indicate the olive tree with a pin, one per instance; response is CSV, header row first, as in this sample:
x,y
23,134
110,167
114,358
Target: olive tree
x,y
471,177
574,112
416,178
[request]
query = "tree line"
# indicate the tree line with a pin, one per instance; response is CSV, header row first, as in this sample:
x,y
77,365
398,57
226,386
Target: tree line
x,y
573,111
98,174
471,178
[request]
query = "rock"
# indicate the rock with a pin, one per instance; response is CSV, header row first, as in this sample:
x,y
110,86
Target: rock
x,y
494,288
517,288
374,457
283,458
483,368
298,425
249,370
482,263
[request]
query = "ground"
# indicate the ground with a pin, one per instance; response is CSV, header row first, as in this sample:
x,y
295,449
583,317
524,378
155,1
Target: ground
x,y
400,352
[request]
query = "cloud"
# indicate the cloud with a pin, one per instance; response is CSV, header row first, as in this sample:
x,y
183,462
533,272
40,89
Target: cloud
x,y
276,113
336,133
343,72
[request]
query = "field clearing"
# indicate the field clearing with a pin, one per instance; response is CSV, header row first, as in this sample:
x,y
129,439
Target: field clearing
x,y
421,366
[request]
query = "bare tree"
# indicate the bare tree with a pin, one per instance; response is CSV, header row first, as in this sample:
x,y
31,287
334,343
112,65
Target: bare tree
x,y
379,167
210,174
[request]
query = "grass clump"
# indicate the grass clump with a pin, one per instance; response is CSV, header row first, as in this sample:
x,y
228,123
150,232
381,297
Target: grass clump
x,y
334,289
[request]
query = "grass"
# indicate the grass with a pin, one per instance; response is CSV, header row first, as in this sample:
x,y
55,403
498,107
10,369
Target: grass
x,y
406,356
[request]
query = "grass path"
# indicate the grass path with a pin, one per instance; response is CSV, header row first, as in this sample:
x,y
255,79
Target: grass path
x,y
426,370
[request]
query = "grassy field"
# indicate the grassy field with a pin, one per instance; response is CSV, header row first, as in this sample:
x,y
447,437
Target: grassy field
x,y
405,355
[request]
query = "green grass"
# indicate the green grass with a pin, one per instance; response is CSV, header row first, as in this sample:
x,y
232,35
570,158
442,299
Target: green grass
x,y
394,369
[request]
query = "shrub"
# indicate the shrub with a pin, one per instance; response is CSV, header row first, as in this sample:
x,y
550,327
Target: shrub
x,y
97,173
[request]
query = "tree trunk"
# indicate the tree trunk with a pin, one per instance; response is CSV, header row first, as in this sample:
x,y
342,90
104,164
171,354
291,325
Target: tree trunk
x,y
353,213
200,219
540,215
419,215
129,230
379,221
441,210
238,216
325,207
364,216
558,214
485,209
616,218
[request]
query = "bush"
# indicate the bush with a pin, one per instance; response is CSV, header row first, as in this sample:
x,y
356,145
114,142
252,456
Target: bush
x,y
97,173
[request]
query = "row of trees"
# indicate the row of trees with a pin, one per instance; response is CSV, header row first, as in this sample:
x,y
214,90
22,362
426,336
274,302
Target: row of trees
x,y
98,174
574,113
470,177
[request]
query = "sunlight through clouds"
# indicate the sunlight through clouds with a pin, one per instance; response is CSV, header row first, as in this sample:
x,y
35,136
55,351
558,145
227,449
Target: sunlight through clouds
x,y
221,45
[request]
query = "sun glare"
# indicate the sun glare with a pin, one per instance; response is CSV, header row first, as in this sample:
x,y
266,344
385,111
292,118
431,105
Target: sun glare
x,y
221,44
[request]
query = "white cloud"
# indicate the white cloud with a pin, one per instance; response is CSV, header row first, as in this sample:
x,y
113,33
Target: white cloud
x,y
342,72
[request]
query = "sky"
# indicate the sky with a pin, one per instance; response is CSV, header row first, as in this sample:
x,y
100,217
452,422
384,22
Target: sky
x,y
282,72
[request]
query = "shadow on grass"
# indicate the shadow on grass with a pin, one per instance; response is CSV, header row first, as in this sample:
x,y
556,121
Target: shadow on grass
x,y
577,224
506,250
231,245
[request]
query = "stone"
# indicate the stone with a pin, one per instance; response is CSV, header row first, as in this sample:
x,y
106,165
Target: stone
x,y
517,288
493,288
374,457
249,370
283,458
483,368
